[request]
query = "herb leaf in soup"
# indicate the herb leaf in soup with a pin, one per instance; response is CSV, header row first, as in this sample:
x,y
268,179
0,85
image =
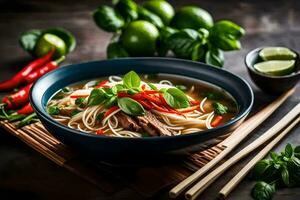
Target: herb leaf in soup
x,y
97,97
176,98
220,109
212,95
131,80
74,112
152,86
130,106
181,87
53,110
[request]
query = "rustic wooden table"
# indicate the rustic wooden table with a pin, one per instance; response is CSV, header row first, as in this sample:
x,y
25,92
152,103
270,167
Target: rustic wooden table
x,y
25,173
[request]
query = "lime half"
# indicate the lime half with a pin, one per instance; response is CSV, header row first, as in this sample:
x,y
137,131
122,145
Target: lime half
x,y
47,42
276,67
277,53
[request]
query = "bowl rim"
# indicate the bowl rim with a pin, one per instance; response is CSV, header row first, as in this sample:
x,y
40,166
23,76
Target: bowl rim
x,y
251,67
48,118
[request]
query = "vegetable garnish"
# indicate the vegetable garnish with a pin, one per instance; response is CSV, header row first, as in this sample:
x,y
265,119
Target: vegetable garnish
x,y
189,33
220,109
25,73
281,170
217,121
130,106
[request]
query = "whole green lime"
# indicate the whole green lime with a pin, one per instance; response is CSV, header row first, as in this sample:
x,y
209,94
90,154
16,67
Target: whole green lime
x,y
47,42
161,8
139,38
192,17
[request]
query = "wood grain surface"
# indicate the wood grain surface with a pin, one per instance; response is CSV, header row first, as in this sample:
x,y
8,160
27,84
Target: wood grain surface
x,y
26,174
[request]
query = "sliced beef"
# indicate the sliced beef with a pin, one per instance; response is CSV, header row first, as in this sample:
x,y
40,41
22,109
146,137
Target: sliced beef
x,y
128,122
152,125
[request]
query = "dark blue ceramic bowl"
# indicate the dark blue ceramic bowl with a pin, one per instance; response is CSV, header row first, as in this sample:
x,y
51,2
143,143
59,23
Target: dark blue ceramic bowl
x,y
103,146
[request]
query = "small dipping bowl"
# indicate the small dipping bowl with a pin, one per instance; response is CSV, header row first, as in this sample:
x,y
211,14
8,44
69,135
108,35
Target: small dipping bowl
x,y
268,83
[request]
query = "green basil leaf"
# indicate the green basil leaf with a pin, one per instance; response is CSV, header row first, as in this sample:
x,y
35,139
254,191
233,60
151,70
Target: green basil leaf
x,y
214,57
128,9
181,87
220,109
100,116
225,35
152,86
176,98
130,106
289,151
263,191
260,168
65,35
108,19
115,50
162,42
53,110
285,176
29,38
145,14
212,95
97,97
198,52
131,80
120,87
110,102
80,102
183,42
75,112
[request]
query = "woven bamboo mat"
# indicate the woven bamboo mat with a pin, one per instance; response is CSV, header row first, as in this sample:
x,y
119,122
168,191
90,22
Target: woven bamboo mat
x,y
146,180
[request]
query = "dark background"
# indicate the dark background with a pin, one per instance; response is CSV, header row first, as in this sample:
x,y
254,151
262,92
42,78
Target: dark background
x,y
25,173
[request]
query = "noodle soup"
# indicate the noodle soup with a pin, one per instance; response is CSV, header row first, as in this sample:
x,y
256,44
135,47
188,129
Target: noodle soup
x,y
142,106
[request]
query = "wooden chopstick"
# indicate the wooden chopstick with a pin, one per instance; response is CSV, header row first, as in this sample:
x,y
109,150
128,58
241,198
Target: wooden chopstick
x,y
243,172
236,137
211,177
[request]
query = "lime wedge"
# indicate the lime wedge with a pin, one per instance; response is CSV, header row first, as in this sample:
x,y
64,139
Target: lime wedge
x,y
47,42
276,67
277,53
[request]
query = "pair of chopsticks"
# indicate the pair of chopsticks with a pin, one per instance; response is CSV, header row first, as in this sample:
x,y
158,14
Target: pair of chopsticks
x,y
236,137
211,177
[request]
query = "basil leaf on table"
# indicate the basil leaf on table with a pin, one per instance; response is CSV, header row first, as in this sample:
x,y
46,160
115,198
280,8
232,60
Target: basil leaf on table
x,y
128,9
261,168
214,57
65,35
162,43
145,14
97,97
131,80
288,151
285,176
176,98
198,52
130,106
29,38
225,35
263,191
183,42
115,50
108,19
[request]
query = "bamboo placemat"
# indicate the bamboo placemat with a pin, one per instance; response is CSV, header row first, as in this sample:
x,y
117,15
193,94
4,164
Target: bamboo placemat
x,y
147,180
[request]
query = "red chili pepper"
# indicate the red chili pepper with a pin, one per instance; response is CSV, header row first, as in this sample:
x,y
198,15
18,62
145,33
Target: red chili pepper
x,y
146,105
143,87
78,96
162,109
152,99
151,91
26,110
33,76
217,121
102,83
19,78
99,132
111,110
17,99
194,102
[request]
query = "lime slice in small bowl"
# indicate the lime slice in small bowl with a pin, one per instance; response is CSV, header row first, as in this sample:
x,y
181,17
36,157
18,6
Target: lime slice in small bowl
x,y
277,53
276,67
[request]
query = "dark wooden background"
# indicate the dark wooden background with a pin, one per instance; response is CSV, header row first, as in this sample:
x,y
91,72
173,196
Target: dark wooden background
x,y
26,174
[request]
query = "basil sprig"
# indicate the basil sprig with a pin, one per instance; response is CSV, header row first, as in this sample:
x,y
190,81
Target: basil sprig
x,y
176,98
131,80
281,170
220,109
130,106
